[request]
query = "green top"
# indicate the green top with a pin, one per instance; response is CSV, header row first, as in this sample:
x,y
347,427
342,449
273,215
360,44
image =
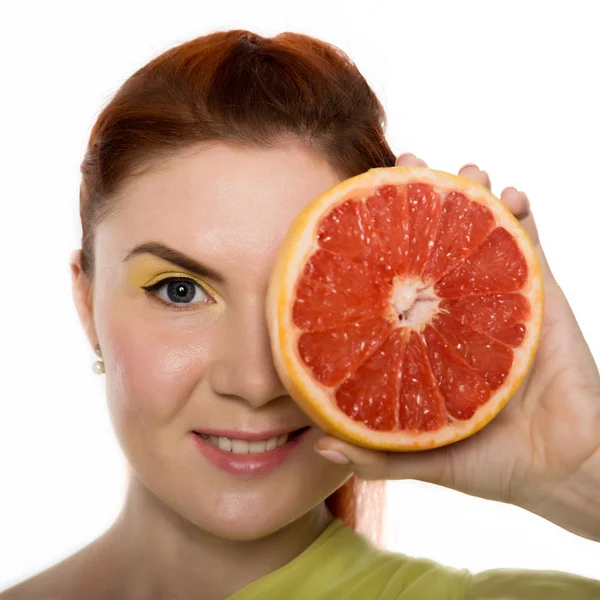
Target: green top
x,y
343,565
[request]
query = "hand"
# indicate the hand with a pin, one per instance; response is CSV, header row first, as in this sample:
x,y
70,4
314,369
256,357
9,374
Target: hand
x,y
542,451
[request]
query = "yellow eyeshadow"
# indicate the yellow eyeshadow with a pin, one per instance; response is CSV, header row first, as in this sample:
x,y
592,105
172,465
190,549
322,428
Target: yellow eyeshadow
x,y
146,271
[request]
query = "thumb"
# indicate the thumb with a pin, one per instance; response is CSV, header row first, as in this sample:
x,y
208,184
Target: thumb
x,y
432,465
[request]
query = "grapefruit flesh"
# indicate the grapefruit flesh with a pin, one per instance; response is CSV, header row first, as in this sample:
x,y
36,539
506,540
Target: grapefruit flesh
x,y
404,308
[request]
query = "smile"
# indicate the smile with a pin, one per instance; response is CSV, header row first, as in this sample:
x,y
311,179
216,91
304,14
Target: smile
x,y
238,446
247,458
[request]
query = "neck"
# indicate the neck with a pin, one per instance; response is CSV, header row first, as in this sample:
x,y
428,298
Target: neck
x,y
154,552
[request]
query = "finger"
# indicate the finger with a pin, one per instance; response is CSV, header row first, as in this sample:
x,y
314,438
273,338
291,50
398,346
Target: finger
x,y
410,160
518,203
474,173
430,466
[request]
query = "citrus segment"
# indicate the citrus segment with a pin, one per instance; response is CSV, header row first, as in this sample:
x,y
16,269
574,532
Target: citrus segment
x,y
501,316
370,394
388,211
404,308
497,265
422,406
332,292
463,226
346,230
425,206
334,354
461,386
490,359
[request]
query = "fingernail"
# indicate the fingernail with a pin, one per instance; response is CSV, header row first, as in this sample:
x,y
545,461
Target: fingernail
x,y
334,456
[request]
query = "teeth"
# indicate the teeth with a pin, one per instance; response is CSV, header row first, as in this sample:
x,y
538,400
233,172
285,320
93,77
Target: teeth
x,y
240,447
222,443
244,447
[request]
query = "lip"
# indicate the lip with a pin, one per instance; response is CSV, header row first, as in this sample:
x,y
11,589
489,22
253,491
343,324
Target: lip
x,y
248,465
248,436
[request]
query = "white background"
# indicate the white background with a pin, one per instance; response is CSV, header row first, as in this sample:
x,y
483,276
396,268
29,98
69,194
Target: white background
x,y
510,86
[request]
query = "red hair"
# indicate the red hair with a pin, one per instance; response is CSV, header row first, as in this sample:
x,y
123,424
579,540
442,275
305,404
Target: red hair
x,y
239,87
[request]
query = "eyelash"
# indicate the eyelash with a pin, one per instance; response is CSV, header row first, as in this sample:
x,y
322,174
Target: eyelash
x,y
152,289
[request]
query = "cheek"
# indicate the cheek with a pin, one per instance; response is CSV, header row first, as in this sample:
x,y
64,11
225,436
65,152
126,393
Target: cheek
x,y
152,367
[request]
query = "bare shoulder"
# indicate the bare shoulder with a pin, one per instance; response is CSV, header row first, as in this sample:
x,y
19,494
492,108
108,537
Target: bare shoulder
x,y
81,575
59,581
43,586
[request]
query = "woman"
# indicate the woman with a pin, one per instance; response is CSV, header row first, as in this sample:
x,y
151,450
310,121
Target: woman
x,y
193,173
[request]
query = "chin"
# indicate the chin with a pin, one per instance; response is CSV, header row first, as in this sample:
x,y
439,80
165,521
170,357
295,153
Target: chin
x,y
242,510
259,509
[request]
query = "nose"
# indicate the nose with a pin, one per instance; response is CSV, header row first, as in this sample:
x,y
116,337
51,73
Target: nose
x,y
242,365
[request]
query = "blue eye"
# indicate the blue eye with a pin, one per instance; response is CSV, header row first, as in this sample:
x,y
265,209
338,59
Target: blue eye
x,y
175,291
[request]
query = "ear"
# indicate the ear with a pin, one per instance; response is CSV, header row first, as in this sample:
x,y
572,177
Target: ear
x,y
82,295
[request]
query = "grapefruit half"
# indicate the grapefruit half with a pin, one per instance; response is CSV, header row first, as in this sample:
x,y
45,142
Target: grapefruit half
x,y
404,308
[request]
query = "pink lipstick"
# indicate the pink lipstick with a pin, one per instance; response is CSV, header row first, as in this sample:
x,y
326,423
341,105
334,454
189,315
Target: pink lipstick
x,y
251,463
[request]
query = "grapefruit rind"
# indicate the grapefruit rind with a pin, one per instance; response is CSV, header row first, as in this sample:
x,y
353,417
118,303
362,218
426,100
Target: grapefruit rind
x,y
318,401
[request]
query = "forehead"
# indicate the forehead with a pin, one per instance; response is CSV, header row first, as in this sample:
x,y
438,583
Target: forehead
x,y
222,204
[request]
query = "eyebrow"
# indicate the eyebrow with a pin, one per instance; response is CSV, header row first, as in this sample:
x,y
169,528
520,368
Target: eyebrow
x,y
177,258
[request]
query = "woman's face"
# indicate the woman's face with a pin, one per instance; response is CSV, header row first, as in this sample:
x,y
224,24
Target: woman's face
x,y
208,365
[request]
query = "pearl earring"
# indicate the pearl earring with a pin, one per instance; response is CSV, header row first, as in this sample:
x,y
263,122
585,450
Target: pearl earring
x,y
98,366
